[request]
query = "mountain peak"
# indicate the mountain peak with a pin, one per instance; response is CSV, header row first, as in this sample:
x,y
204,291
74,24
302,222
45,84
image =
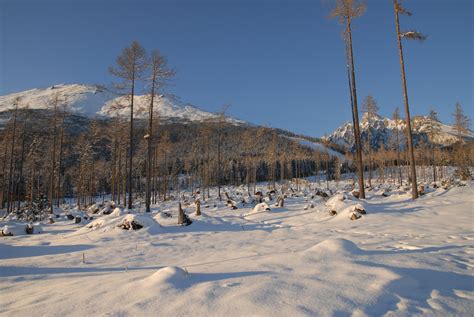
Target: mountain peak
x,y
93,99
383,130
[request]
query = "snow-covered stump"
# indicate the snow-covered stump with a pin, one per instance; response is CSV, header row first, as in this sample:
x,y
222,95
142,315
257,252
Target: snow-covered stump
x,y
354,216
360,209
29,229
421,190
280,201
183,219
198,207
308,206
130,223
5,232
261,207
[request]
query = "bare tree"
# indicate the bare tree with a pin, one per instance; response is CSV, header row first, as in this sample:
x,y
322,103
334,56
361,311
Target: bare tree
x,y
396,118
410,35
461,125
12,157
345,11
130,67
371,108
159,75
433,128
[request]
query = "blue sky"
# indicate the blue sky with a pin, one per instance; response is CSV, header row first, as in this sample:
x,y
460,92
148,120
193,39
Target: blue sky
x,y
278,63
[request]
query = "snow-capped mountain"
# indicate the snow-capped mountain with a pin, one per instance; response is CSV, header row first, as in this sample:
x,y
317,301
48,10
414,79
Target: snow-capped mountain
x,y
383,130
164,107
94,100
81,98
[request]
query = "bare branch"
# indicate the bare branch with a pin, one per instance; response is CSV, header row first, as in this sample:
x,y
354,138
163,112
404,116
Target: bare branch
x,y
413,35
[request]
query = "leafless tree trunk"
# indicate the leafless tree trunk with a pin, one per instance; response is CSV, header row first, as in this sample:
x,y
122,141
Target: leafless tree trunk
x,y
411,156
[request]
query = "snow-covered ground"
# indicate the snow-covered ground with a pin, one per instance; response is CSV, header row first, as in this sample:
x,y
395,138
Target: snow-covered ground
x,y
402,258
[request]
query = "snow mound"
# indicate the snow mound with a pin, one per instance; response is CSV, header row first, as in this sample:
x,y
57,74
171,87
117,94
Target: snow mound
x,y
20,229
335,246
168,275
117,212
136,222
261,207
116,221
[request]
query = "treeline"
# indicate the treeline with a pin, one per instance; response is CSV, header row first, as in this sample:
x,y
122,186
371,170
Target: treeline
x,y
50,155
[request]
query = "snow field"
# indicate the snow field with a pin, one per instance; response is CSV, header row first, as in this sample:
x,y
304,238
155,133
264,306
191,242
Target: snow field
x,y
402,258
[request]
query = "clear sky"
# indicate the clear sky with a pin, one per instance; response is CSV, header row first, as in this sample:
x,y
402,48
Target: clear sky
x,y
276,62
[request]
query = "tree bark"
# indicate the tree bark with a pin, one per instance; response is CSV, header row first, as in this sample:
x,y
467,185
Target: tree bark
x,y
355,112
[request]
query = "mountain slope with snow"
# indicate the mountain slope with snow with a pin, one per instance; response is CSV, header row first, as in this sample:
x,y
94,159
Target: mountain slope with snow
x,y
383,130
164,107
91,100
81,98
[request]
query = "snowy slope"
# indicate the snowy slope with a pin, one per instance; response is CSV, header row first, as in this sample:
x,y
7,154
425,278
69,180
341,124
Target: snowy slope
x,y
320,147
83,98
403,258
165,108
92,100
383,130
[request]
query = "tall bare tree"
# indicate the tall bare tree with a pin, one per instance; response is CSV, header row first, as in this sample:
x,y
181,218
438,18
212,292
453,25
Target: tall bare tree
x,y
371,108
433,128
345,11
159,75
12,157
410,35
130,67
54,105
396,118
461,125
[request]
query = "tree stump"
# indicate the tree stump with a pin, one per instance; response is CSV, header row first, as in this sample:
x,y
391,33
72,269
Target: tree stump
x,y
198,207
29,229
182,217
280,201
